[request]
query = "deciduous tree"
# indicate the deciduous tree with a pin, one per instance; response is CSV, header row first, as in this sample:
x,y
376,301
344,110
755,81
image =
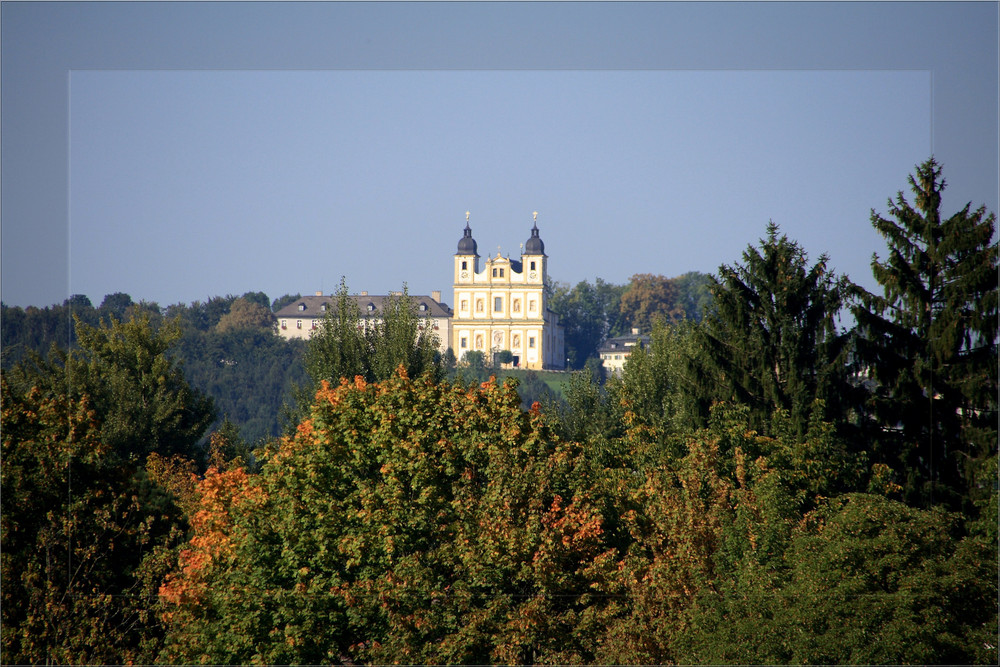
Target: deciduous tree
x,y
83,538
139,392
404,521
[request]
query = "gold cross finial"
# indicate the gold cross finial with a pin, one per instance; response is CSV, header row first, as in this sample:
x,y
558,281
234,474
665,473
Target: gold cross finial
x,y
466,216
536,215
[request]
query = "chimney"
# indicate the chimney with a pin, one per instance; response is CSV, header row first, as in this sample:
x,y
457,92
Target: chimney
x,y
319,292
436,295
364,294
635,331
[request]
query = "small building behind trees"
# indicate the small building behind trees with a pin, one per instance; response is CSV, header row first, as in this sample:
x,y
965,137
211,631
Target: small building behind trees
x,y
615,351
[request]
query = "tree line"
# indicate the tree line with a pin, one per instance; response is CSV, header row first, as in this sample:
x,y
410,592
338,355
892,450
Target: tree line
x,y
226,348
759,485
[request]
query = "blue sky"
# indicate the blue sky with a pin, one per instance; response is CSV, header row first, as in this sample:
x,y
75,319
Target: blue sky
x,y
182,152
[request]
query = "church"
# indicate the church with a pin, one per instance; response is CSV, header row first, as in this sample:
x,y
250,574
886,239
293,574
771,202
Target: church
x,y
502,304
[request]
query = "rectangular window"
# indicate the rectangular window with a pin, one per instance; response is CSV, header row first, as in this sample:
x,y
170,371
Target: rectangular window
x,y
497,304
465,304
298,324
531,342
465,342
501,273
465,265
532,265
494,273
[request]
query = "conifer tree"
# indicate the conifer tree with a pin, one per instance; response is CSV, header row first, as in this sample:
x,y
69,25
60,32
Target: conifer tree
x,y
771,340
929,341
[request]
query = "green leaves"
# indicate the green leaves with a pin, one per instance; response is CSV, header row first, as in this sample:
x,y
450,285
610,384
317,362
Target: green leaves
x,y
399,517
76,528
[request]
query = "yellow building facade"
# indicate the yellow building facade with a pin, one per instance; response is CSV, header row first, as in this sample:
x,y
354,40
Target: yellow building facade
x,y
501,304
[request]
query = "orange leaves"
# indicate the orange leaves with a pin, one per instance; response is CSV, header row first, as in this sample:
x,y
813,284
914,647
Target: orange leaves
x,y
575,525
218,497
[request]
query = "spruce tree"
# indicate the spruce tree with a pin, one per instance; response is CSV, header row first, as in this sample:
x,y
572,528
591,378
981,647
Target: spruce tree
x,y
929,343
771,340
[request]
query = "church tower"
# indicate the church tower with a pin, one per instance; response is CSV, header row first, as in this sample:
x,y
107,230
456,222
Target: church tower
x,y
467,257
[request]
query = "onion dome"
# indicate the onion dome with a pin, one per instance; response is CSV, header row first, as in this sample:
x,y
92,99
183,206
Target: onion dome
x,y
534,245
467,244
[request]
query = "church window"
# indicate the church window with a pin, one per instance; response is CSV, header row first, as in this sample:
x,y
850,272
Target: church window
x,y
532,265
497,304
494,273
517,305
465,342
501,273
531,342
465,265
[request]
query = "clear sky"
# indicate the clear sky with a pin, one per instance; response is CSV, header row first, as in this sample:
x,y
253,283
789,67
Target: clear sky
x,y
182,151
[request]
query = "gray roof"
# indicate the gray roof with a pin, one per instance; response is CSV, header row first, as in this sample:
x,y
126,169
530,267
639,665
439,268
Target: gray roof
x,y
370,305
624,343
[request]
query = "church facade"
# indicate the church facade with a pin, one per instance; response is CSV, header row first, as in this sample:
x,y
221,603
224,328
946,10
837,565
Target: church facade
x,y
502,304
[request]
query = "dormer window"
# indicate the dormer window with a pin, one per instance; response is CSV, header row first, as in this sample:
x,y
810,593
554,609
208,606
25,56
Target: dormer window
x,y
323,307
371,307
302,306
423,307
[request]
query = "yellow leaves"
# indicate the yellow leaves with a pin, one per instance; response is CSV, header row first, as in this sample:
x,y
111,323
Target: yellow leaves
x,y
177,475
